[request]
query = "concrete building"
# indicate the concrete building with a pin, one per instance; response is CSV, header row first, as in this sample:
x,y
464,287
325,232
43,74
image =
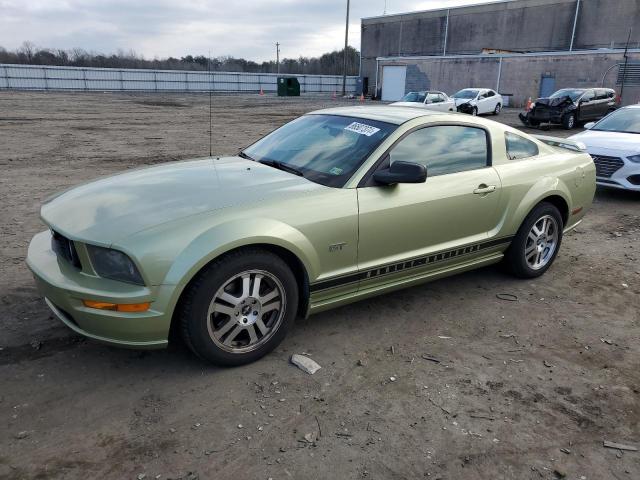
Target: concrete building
x,y
540,45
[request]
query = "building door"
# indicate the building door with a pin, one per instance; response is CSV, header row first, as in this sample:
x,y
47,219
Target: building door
x,y
393,82
547,86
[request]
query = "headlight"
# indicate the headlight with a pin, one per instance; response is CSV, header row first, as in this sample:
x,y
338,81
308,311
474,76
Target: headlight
x,y
113,264
635,158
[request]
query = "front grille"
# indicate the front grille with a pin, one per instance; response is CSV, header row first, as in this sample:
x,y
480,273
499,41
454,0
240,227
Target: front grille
x,y
63,247
607,166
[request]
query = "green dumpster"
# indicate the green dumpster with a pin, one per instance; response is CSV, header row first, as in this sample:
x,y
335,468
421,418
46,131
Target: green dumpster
x,y
288,87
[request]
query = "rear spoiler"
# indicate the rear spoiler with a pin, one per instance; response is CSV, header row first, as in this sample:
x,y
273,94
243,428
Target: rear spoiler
x,y
562,143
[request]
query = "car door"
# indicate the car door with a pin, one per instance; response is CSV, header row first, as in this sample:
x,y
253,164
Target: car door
x,y
588,109
603,102
482,102
408,229
435,102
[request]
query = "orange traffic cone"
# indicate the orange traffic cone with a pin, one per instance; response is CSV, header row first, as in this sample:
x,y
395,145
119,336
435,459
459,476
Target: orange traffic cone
x,y
528,105
362,97
261,91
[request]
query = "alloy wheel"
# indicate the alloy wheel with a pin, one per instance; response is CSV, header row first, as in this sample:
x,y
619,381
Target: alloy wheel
x,y
542,242
246,311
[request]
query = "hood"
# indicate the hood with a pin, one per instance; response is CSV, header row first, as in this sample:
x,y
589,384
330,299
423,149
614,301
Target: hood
x,y
555,102
460,101
625,144
118,206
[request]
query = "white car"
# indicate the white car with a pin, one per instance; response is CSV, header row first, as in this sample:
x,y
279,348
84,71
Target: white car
x,y
614,145
431,100
478,101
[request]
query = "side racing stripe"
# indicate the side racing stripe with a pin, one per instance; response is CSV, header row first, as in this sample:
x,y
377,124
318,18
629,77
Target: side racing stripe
x,y
407,264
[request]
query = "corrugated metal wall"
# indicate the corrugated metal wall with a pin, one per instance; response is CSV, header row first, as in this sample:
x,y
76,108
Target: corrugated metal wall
x,y
36,77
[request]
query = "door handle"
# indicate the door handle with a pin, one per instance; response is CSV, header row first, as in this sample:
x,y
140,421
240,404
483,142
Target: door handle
x,y
484,189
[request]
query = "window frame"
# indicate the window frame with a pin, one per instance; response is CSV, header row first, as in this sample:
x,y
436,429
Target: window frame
x,y
383,161
506,147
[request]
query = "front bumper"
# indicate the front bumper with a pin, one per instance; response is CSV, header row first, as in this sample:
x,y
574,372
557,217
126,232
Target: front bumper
x,y
64,287
538,117
625,175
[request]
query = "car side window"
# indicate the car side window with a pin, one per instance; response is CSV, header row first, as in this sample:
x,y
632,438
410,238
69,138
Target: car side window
x,y
490,93
519,147
588,96
601,94
444,149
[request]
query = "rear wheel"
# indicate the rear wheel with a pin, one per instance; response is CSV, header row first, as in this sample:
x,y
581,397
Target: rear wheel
x,y
537,242
569,121
239,308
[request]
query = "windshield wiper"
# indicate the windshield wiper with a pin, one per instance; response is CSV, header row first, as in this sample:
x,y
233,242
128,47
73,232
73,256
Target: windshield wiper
x,y
283,166
244,155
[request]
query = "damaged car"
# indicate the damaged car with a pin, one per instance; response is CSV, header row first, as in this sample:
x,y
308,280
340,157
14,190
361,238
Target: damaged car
x,y
571,107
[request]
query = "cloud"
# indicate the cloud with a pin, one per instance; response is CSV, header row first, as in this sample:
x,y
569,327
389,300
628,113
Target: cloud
x,y
162,28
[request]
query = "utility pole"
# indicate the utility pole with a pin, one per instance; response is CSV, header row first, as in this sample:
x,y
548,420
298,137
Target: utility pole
x,y
626,61
346,43
278,57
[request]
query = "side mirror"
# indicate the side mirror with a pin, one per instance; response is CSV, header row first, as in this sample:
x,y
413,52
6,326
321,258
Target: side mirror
x,y
401,172
589,126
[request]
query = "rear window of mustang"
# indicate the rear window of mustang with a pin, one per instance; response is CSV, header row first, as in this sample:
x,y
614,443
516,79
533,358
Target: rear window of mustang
x,y
519,147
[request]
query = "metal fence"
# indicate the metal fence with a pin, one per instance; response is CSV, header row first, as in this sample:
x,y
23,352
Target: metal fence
x,y
37,77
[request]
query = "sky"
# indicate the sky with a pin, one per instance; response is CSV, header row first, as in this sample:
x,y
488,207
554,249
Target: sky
x,y
162,28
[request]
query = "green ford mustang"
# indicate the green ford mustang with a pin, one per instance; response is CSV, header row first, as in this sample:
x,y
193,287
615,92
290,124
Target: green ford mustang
x,y
333,207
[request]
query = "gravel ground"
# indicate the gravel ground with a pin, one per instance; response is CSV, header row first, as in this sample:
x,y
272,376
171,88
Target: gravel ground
x,y
519,389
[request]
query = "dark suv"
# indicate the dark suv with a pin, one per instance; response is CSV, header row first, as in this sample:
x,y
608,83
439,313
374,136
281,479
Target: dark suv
x,y
571,107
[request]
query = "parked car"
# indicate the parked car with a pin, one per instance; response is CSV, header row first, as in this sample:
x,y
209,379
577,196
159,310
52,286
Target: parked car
x,y
614,145
335,206
478,101
430,100
571,107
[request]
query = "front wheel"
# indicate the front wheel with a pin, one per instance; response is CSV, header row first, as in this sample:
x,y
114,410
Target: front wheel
x,y
569,121
239,308
496,111
535,246
474,111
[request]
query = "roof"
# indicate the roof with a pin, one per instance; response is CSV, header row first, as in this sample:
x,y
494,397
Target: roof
x,y
381,113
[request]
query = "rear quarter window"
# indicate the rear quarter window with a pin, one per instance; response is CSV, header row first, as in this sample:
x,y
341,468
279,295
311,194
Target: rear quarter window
x,y
519,147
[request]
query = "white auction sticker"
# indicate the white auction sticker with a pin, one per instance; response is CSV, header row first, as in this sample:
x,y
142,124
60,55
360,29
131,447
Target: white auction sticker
x,y
362,129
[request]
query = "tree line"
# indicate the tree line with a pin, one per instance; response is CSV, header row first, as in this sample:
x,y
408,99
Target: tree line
x,y
327,64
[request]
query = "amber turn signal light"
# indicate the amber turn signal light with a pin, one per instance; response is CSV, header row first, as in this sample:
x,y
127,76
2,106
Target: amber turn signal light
x,y
123,307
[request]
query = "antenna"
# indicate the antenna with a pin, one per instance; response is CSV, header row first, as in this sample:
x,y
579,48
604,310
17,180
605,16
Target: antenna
x,y
210,114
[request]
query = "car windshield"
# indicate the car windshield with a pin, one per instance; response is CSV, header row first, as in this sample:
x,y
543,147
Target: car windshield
x,y
417,97
625,120
325,149
572,93
466,93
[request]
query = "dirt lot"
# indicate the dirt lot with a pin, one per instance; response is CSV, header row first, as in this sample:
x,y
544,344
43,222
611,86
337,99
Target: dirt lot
x,y
523,389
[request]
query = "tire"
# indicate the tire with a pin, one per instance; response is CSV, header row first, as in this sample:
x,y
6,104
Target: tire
x,y
474,111
521,258
569,121
496,111
226,321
